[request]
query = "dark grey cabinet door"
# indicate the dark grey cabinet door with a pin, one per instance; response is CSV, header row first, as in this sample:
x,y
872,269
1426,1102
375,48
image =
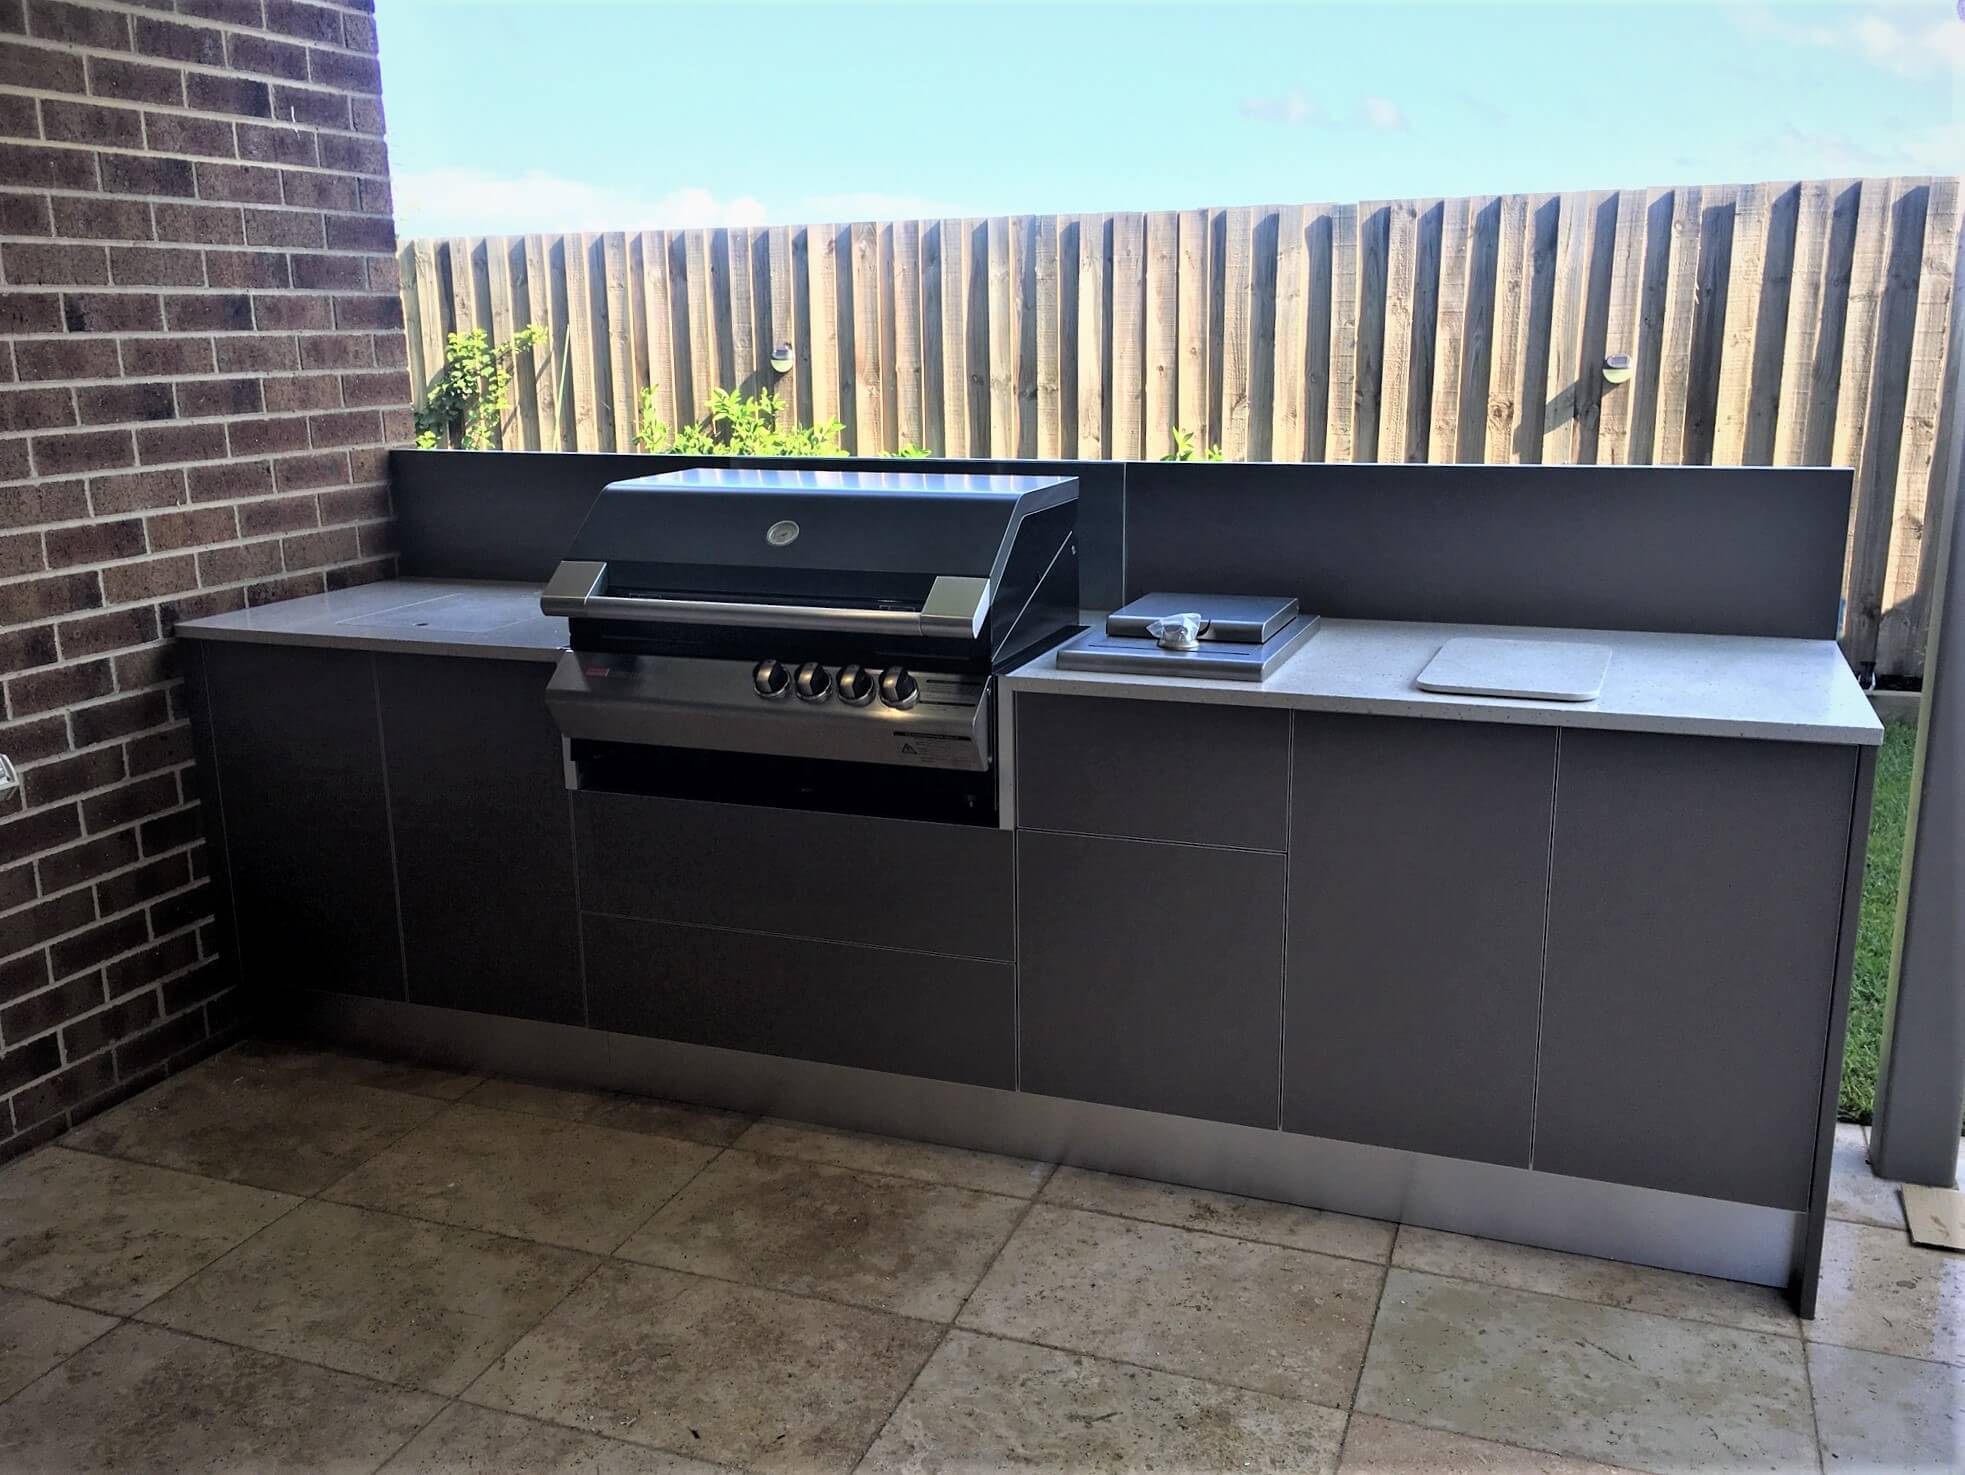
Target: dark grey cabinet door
x,y
1693,919
483,836
1150,975
1419,862
298,749
1153,770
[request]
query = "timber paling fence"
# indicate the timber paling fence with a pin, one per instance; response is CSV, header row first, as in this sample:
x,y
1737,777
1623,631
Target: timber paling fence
x,y
1803,323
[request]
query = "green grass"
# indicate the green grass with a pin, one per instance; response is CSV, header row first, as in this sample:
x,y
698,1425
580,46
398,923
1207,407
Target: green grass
x,y
1879,921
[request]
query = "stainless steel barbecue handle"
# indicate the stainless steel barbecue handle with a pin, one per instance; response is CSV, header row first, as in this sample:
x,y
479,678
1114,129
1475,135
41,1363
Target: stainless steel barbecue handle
x,y
954,606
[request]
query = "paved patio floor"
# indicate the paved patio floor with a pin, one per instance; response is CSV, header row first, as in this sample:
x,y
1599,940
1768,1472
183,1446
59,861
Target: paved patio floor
x,y
284,1259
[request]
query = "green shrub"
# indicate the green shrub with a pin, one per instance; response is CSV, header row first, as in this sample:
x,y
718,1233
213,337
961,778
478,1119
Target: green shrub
x,y
473,395
1187,447
737,425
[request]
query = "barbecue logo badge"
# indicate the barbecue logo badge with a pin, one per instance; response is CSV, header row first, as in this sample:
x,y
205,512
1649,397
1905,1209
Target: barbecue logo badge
x,y
781,534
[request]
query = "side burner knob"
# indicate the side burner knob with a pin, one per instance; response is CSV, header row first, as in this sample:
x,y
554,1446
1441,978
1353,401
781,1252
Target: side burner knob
x,y
898,689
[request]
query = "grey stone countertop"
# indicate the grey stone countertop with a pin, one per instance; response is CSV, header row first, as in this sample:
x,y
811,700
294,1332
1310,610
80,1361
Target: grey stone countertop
x,y
445,617
1710,685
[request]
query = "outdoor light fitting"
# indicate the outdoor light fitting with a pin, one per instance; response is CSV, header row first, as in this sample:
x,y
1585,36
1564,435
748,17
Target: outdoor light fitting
x,y
1616,368
781,359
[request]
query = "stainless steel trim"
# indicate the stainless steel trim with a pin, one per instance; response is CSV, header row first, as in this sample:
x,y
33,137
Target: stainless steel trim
x,y
1646,1225
954,607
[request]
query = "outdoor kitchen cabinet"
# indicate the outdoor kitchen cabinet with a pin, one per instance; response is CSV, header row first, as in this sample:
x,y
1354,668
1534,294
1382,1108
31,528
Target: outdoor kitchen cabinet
x,y
1694,911
1419,862
298,780
483,837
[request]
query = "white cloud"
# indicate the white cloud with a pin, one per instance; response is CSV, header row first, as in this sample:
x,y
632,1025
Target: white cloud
x,y
1294,108
1914,43
1382,114
438,202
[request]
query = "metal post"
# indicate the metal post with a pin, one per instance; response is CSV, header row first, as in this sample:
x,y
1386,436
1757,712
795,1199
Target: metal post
x,y
1920,1092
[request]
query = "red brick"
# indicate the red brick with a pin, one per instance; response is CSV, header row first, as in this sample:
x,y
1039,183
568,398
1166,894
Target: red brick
x,y
44,1011
101,219
331,545
40,67
228,312
266,57
238,562
360,233
36,409
130,803
80,25
377,539
101,450
360,33
14,466
23,650
25,166
278,515
233,479
88,860
303,392
308,22
349,73
320,191
170,748
248,182
145,174
290,586
18,116
136,491
150,665
258,437
247,269
199,606
144,884
377,197
89,122
58,686
67,264
189,529
95,635
24,600
219,397
210,225
25,215
178,42
116,404
90,949
384,274
31,741
304,473
66,358
329,273
274,143
368,312
111,312
147,967
152,579
50,783
173,133
135,81
337,351
17,889
38,829
94,542
31,1061
49,501
76,1087
179,443
387,388
262,353
156,266
20,553
353,154
30,312
164,356
225,93
285,228
232,12
45,920
300,314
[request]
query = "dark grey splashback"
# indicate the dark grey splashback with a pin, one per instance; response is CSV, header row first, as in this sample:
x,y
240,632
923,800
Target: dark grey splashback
x,y
1713,550
1718,550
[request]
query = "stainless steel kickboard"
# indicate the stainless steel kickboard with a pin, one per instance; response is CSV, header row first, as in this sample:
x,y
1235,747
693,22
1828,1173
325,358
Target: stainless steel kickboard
x,y
1533,670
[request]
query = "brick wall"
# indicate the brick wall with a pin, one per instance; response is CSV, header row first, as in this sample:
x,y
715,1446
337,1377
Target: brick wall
x,y
201,361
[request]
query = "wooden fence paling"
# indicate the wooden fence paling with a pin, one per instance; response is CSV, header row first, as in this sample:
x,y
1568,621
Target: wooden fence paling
x,y
1800,323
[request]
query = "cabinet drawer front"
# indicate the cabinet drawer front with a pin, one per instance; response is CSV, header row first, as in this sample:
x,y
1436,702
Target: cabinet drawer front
x,y
1151,975
1419,863
874,1008
842,878
1693,918
1150,770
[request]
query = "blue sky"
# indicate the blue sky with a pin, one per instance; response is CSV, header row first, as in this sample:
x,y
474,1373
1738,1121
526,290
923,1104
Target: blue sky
x,y
523,115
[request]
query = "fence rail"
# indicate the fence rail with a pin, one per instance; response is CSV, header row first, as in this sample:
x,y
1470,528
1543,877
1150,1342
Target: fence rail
x,y
1800,323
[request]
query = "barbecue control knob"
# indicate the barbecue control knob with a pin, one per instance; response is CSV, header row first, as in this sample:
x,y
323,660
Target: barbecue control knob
x,y
814,685
898,689
854,685
771,678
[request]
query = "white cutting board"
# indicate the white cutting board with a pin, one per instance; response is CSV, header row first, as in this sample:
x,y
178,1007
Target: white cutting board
x,y
1539,670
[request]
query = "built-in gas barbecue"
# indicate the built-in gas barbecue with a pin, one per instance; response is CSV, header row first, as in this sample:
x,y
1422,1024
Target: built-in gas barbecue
x,y
816,639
